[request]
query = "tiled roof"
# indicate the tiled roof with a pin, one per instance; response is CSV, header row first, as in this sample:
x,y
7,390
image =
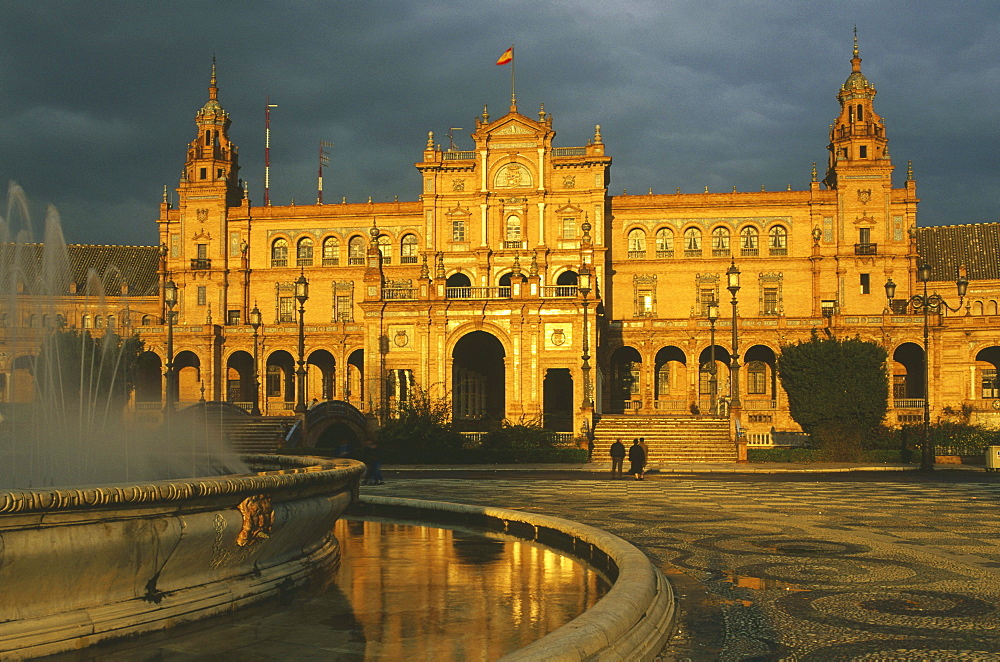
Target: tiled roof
x,y
114,266
975,246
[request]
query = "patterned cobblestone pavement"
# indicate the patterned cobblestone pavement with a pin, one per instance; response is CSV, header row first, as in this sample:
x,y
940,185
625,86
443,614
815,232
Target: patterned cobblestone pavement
x,y
765,569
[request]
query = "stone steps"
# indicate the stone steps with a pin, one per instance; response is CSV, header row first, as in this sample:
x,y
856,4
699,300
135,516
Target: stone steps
x,y
259,435
669,438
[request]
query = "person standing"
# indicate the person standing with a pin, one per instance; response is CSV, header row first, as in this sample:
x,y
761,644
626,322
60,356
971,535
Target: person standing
x,y
617,458
637,460
645,455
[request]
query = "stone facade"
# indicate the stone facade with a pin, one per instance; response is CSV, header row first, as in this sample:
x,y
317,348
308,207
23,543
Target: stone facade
x,y
516,262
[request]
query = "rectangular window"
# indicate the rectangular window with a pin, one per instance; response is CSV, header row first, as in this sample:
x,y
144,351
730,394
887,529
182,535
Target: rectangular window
x,y
458,230
866,283
864,235
344,308
233,317
569,228
899,387
202,251
757,380
203,173
864,152
991,389
273,381
286,309
202,295
770,301
705,297
644,303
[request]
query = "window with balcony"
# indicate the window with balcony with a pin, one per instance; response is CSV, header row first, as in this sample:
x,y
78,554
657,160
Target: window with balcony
x,y
512,232
331,252
356,250
865,245
279,253
385,247
778,240
408,249
720,242
664,243
304,252
692,242
749,241
636,243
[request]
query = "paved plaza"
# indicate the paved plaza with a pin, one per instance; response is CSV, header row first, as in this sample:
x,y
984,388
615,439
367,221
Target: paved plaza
x,y
854,565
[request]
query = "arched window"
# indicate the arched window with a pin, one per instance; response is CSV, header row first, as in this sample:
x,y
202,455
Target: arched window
x,y
331,252
512,233
279,253
692,242
146,319
720,242
33,321
304,252
750,241
111,322
408,249
98,322
85,322
636,243
778,240
385,247
664,242
356,250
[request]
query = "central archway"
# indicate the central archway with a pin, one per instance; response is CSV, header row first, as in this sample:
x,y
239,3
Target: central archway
x,y
478,381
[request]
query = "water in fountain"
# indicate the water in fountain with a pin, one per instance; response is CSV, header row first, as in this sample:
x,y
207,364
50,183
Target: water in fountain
x,y
64,400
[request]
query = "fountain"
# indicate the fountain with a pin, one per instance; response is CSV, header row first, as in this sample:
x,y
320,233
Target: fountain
x,y
109,531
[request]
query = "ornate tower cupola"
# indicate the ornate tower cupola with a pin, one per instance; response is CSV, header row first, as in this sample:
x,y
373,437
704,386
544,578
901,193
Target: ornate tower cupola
x,y
857,138
212,160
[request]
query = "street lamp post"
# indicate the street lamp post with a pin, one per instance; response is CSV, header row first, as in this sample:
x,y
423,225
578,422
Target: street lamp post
x,y
733,276
301,295
585,284
255,322
713,377
928,303
170,299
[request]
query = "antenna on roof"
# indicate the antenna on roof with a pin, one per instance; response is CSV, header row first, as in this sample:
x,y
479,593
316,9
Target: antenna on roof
x,y
324,160
267,150
451,137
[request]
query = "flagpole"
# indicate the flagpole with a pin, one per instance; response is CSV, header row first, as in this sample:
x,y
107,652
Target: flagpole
x,y
513,98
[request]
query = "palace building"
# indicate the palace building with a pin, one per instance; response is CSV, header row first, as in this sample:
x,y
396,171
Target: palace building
x,y
517,287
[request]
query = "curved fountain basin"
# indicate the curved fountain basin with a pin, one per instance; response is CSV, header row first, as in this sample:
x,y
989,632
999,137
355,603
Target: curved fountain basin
x,y
79,565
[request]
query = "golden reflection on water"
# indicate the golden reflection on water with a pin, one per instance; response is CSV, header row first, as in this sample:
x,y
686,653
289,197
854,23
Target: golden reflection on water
x,y
457,595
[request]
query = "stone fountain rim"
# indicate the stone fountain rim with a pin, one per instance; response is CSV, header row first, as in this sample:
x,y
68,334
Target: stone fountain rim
x,y
308,472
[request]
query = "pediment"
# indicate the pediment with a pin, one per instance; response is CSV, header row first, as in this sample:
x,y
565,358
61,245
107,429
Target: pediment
x,y
514,129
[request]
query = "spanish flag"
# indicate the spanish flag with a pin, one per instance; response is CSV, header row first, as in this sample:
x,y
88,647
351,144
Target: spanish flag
x,y
508,56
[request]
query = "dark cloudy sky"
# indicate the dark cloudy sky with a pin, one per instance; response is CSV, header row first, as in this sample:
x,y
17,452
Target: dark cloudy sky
x,y
97,98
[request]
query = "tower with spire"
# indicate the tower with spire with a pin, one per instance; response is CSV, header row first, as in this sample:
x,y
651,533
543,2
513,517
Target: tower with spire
x,y
205,235
857,138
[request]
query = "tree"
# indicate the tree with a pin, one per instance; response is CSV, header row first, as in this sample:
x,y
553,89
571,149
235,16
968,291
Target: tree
x,y
419,430
838,391
93,376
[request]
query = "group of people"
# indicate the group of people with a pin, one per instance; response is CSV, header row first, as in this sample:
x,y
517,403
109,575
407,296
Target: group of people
x,y
638,455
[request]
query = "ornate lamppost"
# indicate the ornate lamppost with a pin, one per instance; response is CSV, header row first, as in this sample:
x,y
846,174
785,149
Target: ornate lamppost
x,y
170,299
928,303
585,283
255,322
733,278
301,295
713,376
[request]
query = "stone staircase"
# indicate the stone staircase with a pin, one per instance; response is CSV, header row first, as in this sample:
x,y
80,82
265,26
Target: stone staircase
x,y
258,435
670,439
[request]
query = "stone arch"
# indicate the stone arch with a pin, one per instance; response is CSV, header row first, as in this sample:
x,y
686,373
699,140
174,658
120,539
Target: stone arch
x,y
907,365
279,379
478,380
149,378
239,384
761,372
670,383
187,368
334,423
625,384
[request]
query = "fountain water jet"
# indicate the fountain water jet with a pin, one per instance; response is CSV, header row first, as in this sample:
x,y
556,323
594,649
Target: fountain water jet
x,y
146,531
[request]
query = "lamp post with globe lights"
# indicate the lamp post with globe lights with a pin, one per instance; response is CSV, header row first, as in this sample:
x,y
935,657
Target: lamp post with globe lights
x,y
255,322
